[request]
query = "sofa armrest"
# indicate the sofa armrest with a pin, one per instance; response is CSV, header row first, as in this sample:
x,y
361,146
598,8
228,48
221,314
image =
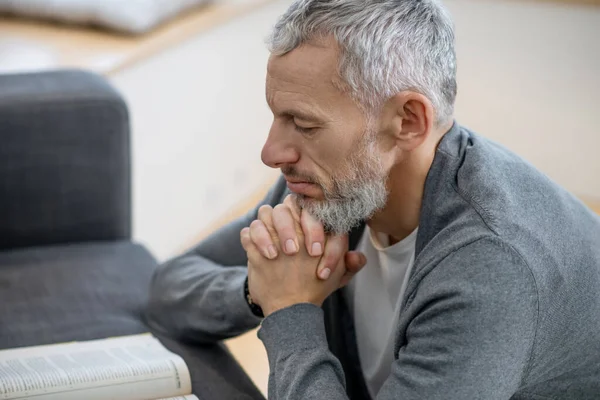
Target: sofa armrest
x,y
64,160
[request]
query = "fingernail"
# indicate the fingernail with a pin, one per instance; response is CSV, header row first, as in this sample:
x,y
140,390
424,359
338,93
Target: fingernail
x,y
317,250
325,273
290,246
272,251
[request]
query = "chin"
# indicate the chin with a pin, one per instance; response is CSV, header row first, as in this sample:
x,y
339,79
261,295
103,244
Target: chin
x,y
305,201
306,197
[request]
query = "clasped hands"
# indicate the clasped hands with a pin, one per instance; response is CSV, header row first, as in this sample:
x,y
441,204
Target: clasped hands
x,y
292,260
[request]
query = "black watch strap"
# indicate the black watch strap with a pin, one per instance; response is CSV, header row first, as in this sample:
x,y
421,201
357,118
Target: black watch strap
x,y
255,308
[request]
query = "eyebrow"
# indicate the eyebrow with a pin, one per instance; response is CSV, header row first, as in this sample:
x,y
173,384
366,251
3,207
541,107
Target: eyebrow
x,y
302,115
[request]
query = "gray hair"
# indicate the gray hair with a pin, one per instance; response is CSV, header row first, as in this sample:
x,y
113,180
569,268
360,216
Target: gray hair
x,y
387,46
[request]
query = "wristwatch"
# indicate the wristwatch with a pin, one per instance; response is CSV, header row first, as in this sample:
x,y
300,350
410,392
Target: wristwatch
x,y
255,308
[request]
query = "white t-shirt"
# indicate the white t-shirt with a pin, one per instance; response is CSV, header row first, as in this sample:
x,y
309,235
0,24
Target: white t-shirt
x,y
375,296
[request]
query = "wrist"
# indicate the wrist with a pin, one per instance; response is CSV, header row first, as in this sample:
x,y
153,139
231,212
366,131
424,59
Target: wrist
x,y
254,308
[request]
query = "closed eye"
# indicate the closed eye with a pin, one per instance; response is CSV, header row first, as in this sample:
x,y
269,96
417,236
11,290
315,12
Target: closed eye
x,y
307,130
303,129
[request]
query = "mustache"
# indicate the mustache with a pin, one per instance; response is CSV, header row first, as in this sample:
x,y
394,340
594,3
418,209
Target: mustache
x,y
293,173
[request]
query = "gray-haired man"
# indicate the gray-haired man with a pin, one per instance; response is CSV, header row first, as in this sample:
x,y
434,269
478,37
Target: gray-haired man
x,y
482,277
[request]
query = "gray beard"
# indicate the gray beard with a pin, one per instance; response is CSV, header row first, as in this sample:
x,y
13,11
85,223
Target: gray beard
x,y
340,216
354,198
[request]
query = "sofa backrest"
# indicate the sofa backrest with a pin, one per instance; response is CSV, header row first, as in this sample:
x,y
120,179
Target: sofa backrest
x,y
65,167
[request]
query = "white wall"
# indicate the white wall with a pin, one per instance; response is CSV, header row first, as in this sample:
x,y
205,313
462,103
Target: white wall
x,y
528,78
199,120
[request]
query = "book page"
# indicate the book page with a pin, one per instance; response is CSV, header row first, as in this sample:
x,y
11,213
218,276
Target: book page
x,y
128,368
188,397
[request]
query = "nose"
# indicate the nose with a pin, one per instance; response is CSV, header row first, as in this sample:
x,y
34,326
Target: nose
x,y
278,150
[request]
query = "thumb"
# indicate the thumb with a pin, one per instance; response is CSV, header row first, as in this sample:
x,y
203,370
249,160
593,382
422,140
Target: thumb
x,y
355,261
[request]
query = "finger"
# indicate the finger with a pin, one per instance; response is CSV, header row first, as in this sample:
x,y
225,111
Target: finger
x,y
354,261
284,224
252,252
314,234
245,238
290,201
261,238
335,248
265,214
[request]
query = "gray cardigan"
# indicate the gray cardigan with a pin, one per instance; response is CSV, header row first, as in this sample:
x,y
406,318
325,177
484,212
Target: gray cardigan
x,y
503,300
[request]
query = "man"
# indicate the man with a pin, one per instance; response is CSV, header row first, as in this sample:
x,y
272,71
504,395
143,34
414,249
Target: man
x,y
482,277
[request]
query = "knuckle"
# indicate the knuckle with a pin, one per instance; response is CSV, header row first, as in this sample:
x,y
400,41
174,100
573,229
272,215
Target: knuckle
x,y
331,259
333,262
281,208
264,211
256,230
284,220
317,233
265,207
255,224
288,199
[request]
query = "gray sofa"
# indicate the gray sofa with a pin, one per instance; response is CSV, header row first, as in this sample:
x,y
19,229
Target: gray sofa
x,y
68,268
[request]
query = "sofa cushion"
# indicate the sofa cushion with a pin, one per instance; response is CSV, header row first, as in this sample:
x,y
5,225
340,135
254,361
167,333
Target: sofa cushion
x,y
73,292
126,16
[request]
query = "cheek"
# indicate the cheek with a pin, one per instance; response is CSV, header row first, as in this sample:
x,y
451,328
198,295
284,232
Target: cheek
x,y
330,159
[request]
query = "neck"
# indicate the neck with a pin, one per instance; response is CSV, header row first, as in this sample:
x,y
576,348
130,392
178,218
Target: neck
x,y
401,214
406,185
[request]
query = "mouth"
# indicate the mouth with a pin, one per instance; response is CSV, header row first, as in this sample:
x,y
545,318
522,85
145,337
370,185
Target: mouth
x,y
303,188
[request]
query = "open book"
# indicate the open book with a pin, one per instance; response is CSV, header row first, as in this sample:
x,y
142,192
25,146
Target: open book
x,y
135,367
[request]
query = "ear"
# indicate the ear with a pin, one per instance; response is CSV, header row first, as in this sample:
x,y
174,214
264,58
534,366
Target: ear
x,y
411,119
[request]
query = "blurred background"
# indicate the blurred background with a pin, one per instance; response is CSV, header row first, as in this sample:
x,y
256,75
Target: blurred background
x,y
529,78
193,77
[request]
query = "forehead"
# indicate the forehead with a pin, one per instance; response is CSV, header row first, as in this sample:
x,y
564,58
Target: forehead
x,y
311,63
309,72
